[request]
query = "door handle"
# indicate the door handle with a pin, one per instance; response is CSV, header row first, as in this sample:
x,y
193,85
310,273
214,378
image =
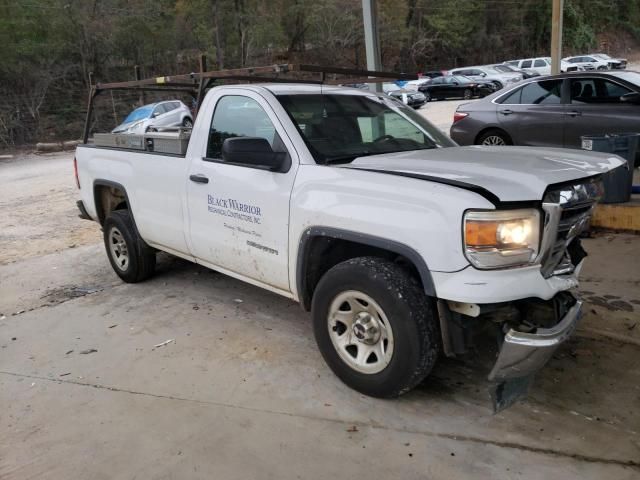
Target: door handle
x,y
198,178
506,112
574,113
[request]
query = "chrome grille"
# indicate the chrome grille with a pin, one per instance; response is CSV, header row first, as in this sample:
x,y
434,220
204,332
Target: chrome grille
x,y
568,209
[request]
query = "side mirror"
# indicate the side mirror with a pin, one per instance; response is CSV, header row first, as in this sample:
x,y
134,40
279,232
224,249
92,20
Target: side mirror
x,y
155,114
254,151
631,97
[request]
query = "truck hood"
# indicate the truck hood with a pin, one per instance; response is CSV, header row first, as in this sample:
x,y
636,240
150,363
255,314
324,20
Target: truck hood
x,y
508,174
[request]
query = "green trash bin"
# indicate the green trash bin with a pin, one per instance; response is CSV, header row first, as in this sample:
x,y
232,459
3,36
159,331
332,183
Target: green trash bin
x,y
617,183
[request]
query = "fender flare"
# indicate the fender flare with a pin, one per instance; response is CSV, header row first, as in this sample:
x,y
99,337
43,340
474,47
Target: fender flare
x,y
363,238
99,182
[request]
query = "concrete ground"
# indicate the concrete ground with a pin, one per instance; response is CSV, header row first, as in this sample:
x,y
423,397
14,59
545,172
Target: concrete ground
x,y
241,391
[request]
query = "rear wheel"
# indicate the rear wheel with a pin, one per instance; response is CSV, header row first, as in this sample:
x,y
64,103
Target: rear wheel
x,y
130,257
375,327
187,123
602,67
494,137
498,84
467,94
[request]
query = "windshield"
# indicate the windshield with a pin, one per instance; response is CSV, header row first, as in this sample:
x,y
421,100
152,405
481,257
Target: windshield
x,y
139,114
339,128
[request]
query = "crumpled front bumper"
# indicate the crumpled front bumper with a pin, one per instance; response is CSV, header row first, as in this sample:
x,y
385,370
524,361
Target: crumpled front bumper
x,y
523,354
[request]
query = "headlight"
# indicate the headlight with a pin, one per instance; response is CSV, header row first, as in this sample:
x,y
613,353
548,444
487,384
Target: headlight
x,y
501,238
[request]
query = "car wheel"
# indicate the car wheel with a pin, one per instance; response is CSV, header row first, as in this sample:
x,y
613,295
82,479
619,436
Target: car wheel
x,y
467,94
130,257
375,327
187,123
498,84
494,137
427,96
602,67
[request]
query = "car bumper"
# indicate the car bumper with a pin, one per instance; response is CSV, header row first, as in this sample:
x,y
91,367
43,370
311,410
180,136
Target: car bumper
x,y
523,354
471,285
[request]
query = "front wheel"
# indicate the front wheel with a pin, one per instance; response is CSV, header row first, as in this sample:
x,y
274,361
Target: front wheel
x,y
130,257
375,327
427,96
467,94
187,123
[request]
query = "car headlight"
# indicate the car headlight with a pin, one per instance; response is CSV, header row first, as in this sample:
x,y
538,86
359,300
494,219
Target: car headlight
x,y
501,238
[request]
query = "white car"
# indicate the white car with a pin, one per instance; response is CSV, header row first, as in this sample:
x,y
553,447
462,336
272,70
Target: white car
x,y
614,63
170,113
542,65
588,62
402,244
499,79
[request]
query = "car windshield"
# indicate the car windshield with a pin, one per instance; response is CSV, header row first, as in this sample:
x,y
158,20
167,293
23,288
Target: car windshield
x,y
631,77
338,128
503,68
604,56
139,114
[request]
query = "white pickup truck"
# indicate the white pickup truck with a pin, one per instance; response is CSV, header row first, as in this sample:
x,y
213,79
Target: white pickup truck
x,y
401,244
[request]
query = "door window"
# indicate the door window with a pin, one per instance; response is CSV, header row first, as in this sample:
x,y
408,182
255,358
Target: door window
x,y
238,116
541,93
526,64
596,90
540,63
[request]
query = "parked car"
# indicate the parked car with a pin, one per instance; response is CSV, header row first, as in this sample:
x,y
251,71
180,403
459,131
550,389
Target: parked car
x,y
171,113
588,62
402,244
614,63
542,65
500,79
456,86
505,68
552,111
409,97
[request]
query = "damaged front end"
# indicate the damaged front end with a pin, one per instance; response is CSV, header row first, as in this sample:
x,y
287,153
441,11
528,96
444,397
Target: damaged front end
x,y
528,346
529,330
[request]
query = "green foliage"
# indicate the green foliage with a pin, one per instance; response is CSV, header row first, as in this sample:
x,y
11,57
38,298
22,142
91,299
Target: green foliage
x,y
49,47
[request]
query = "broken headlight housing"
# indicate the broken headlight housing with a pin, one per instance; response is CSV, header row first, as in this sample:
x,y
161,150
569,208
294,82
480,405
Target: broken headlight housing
x,y
501,238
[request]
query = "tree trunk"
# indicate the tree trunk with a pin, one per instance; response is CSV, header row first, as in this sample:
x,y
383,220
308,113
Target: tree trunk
x,y
218,26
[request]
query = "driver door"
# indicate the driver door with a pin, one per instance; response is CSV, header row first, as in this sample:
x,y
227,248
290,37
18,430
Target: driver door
x,y
239,213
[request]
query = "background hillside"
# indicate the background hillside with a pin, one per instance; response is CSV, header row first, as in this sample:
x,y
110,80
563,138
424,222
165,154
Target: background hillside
x,y
48,47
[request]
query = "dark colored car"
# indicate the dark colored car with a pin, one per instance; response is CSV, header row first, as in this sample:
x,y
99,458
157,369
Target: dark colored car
x,y
455,86
410,97
552,111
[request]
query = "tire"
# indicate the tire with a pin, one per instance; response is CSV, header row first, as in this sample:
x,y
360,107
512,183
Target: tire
x,y
498,85
602,67
494,137
131,258
427,96
187,122
408,346
467,94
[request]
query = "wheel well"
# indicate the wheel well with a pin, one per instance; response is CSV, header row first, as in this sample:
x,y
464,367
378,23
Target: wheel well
x,y
320,253
492,129
109,198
